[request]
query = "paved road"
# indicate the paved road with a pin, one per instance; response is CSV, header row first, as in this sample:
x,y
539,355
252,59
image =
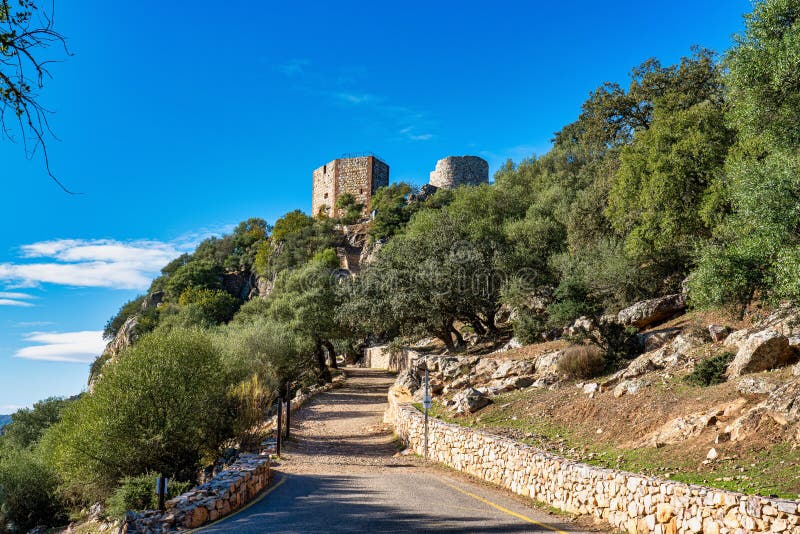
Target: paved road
x,y
341,475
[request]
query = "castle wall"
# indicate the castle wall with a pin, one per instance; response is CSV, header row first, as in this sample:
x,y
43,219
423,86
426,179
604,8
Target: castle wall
x,y
324,188
360,176
455,171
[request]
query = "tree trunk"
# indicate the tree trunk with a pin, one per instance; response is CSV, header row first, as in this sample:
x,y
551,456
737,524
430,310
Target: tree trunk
x,y
324,372
447,339
331,352
459,337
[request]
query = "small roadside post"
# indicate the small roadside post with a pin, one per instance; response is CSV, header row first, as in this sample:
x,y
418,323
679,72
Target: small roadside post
x,y
161,491
426,403
288,406
279,430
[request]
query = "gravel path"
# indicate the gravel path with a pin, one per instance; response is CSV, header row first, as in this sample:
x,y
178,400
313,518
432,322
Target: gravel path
x,y
340,473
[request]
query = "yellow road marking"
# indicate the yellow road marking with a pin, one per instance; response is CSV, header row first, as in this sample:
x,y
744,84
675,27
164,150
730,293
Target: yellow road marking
x,y
242,509
504,510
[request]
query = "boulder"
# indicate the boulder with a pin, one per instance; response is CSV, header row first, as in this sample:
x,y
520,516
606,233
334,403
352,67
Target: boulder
x,y
688,341
514,368
734,339
548,380
754,386
548,362
629,387
762,351
512,344
470,401
517,382
590,388
657,339
485,369
640,366
407,382
581,324
649,312
785,401
718,332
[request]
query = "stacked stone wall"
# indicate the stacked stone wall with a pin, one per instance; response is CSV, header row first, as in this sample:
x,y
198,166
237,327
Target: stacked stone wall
x,y
627,501
455,171
220,496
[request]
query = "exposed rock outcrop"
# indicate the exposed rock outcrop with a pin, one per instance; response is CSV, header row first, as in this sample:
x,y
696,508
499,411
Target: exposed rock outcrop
x,y
760,352
653,311
469,401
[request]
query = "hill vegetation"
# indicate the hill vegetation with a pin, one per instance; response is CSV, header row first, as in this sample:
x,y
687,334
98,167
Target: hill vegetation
x,y
688,175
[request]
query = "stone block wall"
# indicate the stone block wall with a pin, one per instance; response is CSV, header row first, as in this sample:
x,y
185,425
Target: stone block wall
x,y
383,357
628,502
455,171
220,496
359,176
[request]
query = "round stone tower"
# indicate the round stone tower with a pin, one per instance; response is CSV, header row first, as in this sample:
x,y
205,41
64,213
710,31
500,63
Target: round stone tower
x,y
454,171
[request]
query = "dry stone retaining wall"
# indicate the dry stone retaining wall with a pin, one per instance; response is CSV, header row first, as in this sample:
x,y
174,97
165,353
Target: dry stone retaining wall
x,y
220,496
629,502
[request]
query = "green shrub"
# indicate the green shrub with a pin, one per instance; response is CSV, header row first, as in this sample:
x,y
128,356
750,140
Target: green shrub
x,y
710,371
528,326
28,424
582,361
139,493
28,496
162,407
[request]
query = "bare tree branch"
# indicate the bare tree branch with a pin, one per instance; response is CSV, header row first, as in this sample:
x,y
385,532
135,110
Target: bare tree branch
x,y
25,33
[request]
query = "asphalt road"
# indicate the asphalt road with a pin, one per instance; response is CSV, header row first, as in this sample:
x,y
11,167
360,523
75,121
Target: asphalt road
x,y
341,474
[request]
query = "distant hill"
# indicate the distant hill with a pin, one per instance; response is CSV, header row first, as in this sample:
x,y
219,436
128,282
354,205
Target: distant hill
x,y
4,420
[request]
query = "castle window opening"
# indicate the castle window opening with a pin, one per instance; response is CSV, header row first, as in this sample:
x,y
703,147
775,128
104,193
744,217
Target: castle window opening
x,y
326,195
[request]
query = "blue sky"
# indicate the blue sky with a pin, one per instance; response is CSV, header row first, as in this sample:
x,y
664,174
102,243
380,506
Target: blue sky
x,y
179,119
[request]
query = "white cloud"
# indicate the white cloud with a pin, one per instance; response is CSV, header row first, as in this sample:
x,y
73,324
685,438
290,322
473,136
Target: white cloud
x,y
94,262
293,67
8,409
72,347
16,296
18,303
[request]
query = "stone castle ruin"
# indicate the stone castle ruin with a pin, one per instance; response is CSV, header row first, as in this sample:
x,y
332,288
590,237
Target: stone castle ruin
x,y
455,171
360,176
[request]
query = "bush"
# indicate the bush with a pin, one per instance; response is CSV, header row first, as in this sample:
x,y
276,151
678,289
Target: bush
x,y
28,495
710,371
582,361
139,493
162,407
28,424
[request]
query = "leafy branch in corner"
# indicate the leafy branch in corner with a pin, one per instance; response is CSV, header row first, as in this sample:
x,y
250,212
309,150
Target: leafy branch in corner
x,y
25,32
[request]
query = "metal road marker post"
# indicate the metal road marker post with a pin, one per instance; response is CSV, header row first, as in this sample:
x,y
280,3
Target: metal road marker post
x,y
288,407
279,430
426,403
161,491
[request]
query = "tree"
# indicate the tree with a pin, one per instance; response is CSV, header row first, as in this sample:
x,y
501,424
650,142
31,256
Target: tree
x,y
754,252
201,274
28,492
665,195
28,424
25,32
350,206
305,300
392,210
162,407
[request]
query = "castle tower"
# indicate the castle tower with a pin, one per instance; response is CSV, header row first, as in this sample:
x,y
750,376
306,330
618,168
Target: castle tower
x,y
454,171
360,176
